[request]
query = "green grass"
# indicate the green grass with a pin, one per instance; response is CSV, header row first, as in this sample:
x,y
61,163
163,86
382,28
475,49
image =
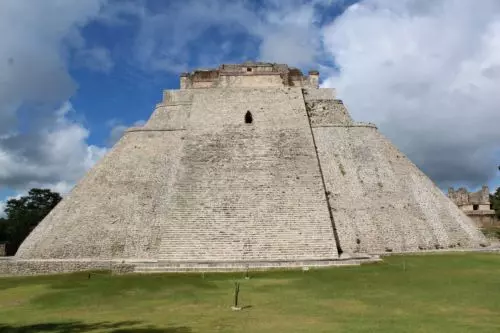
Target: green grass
x,y
457,292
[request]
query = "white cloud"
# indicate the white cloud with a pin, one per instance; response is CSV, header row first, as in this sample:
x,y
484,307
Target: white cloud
x,y
37,39
428,73
283,31
2,208
289,35
54,157
34,44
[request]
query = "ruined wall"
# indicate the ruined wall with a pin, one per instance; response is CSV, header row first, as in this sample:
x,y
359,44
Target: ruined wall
x,y
249,75
250,81
475,205
464,198
483,218
324,112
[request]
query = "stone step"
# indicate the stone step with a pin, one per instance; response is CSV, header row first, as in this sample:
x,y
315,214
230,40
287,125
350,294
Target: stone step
x,y
172,266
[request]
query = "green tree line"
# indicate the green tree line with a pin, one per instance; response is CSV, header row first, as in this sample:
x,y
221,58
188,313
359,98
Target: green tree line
x,y
495,202
24,214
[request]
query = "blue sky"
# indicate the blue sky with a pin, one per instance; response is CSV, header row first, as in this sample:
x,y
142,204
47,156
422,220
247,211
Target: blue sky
x,y
75,74
128,91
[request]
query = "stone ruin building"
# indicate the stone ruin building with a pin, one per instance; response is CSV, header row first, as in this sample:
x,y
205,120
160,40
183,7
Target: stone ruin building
x,y
245,166
476,205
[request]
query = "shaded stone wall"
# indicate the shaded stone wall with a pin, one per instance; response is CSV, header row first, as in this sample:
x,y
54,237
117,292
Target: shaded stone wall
x,y
379,199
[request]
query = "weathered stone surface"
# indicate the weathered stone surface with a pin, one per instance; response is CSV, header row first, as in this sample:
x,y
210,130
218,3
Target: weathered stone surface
x,y
381,202
10,266
198,183
475,205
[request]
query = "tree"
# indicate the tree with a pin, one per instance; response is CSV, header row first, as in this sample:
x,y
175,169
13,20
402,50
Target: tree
x,y
495,202
24,214
3,230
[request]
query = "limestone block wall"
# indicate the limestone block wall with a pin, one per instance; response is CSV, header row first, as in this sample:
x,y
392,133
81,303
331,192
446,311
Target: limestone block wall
x,y
381,202
9,267
250,81
117,209
483,218
173,112
467,208
248,191
310,94
328,112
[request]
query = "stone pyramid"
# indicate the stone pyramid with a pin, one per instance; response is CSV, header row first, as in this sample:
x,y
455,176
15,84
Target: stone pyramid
x,y
250,163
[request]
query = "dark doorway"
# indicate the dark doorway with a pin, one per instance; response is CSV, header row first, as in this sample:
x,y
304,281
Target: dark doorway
x,y
248,117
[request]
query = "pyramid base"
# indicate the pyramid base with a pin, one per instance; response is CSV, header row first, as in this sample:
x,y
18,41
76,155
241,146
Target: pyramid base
x,y
11,266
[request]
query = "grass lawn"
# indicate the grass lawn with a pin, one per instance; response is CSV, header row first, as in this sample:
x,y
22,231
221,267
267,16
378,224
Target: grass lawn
x,y
457,292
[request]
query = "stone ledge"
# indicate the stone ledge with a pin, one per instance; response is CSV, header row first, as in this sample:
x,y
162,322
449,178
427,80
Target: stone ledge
x,y
358,124
19,267
10,266
479,212
263,73
173,267
163,104
142,129
492,248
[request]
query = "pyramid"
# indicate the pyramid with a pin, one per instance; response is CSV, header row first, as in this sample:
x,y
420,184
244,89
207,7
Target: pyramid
x,y
250,164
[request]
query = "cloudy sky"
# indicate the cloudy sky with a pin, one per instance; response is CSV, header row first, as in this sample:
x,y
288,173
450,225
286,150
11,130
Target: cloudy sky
x,y
75,73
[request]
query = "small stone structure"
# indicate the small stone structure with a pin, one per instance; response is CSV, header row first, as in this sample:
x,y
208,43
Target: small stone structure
x,y
475,204
247,166
3,249
249,74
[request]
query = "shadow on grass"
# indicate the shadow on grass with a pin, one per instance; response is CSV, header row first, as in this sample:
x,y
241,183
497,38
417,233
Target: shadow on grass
x,y
80,327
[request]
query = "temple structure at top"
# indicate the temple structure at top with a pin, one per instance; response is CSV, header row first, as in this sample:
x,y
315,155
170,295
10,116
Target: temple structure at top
x,y
249,74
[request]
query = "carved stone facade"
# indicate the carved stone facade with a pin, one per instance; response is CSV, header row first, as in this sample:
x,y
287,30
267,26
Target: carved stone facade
x,y
248,165
475,204
249,74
